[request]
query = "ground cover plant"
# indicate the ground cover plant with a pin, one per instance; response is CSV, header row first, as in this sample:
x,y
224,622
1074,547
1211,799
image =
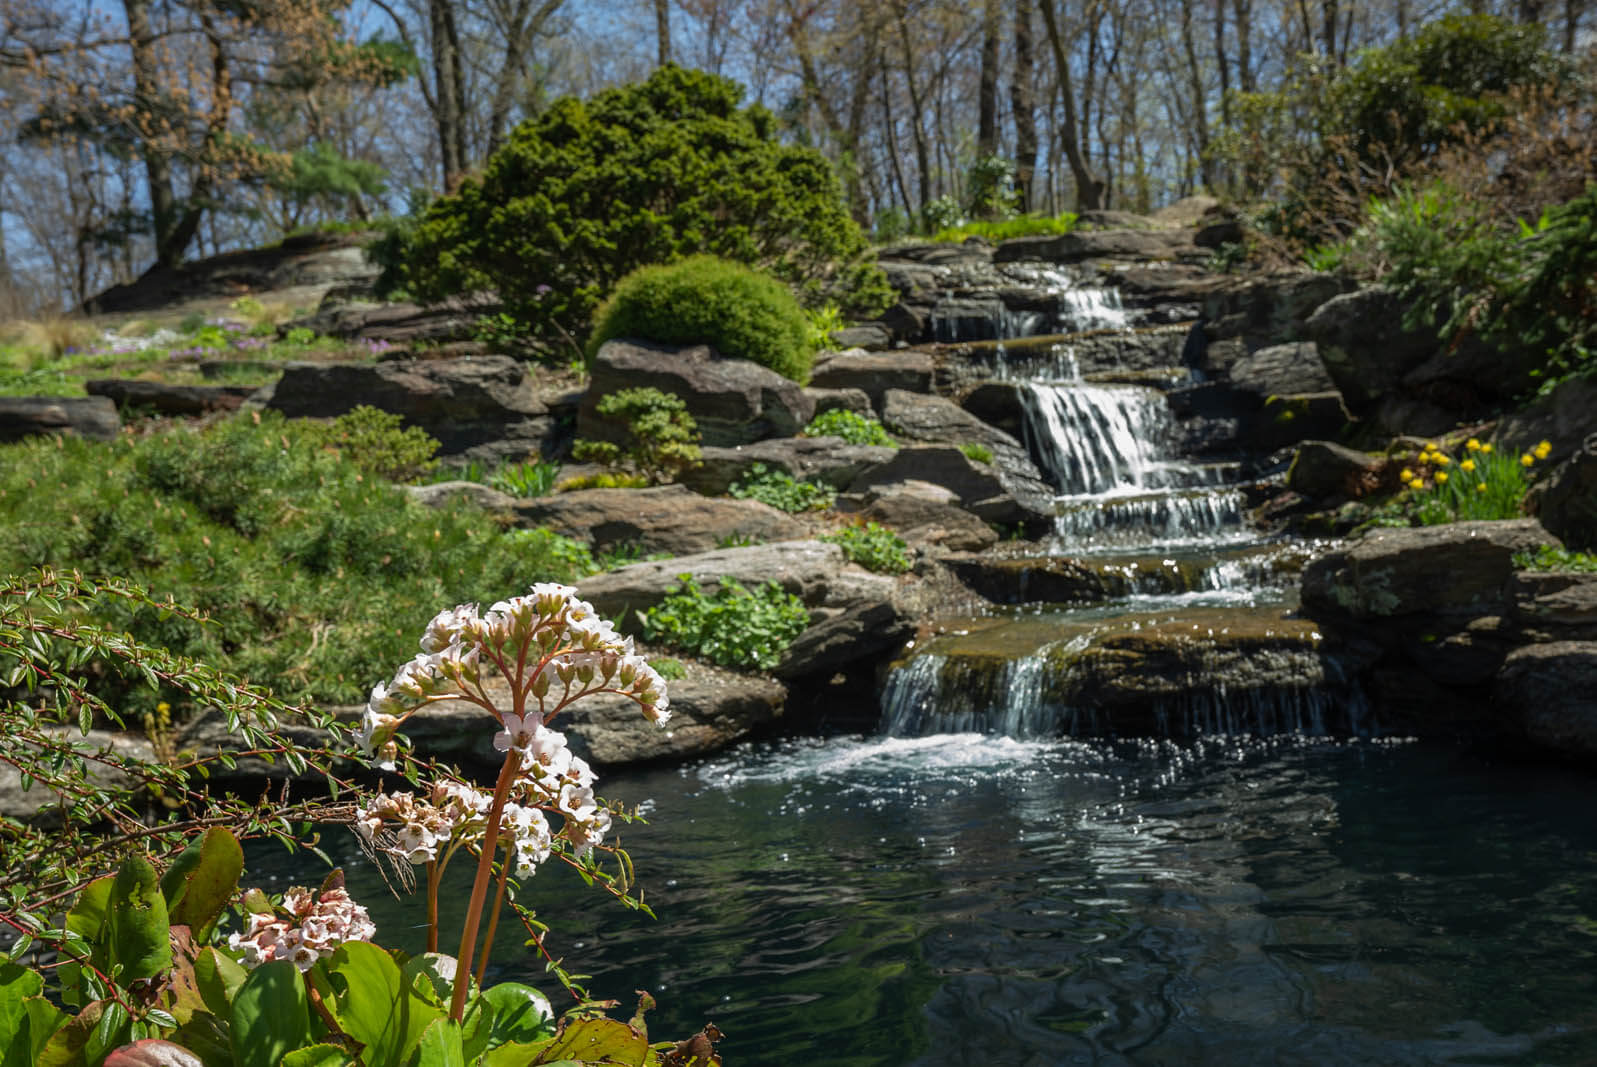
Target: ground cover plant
x,y
1003,229
735,626
1549,558
854,428
873,546
142,948
301,557
778,488
1480,482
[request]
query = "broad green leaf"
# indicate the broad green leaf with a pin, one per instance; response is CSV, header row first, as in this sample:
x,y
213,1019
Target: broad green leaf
x,y
515,1054
27,1020
603,1040
206,1036
111,1031
374,1004
521,1013
153,1053
202,880
318,1056
270,1015
440,1045
87,919
218,977
66,1046
137,922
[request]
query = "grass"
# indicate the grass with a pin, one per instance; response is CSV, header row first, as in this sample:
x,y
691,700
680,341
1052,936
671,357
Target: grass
x,y
1004,229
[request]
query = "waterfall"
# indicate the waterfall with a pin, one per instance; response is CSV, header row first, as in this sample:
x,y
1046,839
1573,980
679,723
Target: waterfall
x,y
935,694
1095,438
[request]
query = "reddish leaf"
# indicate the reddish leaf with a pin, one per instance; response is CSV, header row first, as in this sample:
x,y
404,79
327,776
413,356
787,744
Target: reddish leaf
x,y
153,1053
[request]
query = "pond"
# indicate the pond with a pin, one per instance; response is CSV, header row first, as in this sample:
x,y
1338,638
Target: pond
x,y
958,899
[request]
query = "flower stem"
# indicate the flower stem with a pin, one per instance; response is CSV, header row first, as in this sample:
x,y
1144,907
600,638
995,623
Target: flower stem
x,y
479,887
432,905
493,919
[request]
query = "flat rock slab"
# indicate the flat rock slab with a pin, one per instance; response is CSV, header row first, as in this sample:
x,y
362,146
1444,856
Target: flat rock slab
x,y
452,494
923,514
734,401
1550,691
665,518
1458,568
164,399
94,417
1096,244
874,373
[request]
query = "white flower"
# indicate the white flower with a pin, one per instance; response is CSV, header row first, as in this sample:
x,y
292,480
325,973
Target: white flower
x,y
314,927
447,627
519,733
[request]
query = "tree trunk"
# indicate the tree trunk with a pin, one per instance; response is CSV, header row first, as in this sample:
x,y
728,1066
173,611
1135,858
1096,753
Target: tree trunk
x,y
1200,111
449,90
1089,190
157,164
916,108
1023,102
662,29
987,88
524,26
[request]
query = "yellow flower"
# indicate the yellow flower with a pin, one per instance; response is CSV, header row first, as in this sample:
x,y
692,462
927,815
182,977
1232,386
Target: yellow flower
x,y
1542,449
163,707
1441,476
1416,484
1527,460
1467,465
1443,460
1406,476
1480,487
1473,445
1486,449
1430,446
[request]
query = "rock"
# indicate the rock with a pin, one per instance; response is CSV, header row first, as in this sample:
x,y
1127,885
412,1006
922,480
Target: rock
x,y
1166,284
483,407
710,710
1282,370
1078,246
868,335
1264,310
859,632
167,399
1106,352
854,400
1566,417
976,485
1187,211
1099,219
1556,604
734,401
40,805
442,495
935,420
1325,469
874,373
1550,690
1566,500
997,404
1363,345
968,318
1457,569
93,417
828,460
1042,580
665,518
1223,232
454,320
923,514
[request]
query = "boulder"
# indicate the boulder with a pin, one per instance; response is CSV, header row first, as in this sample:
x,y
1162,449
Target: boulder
x,y
1264,310
1566,500
1363,345
1458,569
1550,692
874,373
854,400
165,399
1222,232
1556,605
93,417
935,420
454,320
997,404
1042,580
977,486
828,460
485,407
1326,469
1282,370
1101,219
710,710
734,401
923,514
1566,417
868,335
968,318
40,805
665,518
1079,246
1187,211
865,631
451,494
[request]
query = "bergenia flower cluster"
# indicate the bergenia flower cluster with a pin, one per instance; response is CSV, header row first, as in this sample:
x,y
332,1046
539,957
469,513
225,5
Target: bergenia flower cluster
x,y
427,829
316,924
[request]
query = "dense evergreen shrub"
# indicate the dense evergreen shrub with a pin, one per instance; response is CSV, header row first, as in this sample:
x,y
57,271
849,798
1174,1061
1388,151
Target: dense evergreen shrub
x,y
647,173
704,300
661,438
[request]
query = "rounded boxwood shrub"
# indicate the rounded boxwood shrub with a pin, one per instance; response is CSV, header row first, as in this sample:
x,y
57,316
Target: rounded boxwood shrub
x,y
704,300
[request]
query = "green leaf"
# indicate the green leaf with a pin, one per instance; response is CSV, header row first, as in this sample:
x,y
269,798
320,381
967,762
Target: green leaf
x,y
601,1040
27,1020
515,1055
318,1056
440,1045
218,977
375,1005
137,923
270,1015
87,920
202,880
521,1013
66,1047
110,1030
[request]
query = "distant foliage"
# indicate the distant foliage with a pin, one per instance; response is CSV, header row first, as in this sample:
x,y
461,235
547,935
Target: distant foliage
x,y
1004,229
736,627
646,173
782,491
874,547
377,442
976,451
735,309
662,440
854,428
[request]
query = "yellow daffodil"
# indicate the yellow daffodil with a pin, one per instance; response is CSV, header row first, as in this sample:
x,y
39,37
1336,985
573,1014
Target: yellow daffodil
x,y
1486,449
1480,487
1473,445
1430,446
1527,460
1467,465
1543,449
1406,476
1441,477
1416,484
1442,459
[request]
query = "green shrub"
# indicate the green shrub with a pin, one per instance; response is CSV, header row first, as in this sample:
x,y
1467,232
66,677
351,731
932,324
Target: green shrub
x,y
819,324
374,442
1550,558
590,190
662,440
782,491
976,451
874,547
535,477
854,428
301,560
736,627
704,300
669,669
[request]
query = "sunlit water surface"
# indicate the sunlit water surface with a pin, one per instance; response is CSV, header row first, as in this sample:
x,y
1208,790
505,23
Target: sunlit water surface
x,y
961,899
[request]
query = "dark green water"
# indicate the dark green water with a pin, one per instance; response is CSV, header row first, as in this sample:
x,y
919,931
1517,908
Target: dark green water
x,y
979,900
